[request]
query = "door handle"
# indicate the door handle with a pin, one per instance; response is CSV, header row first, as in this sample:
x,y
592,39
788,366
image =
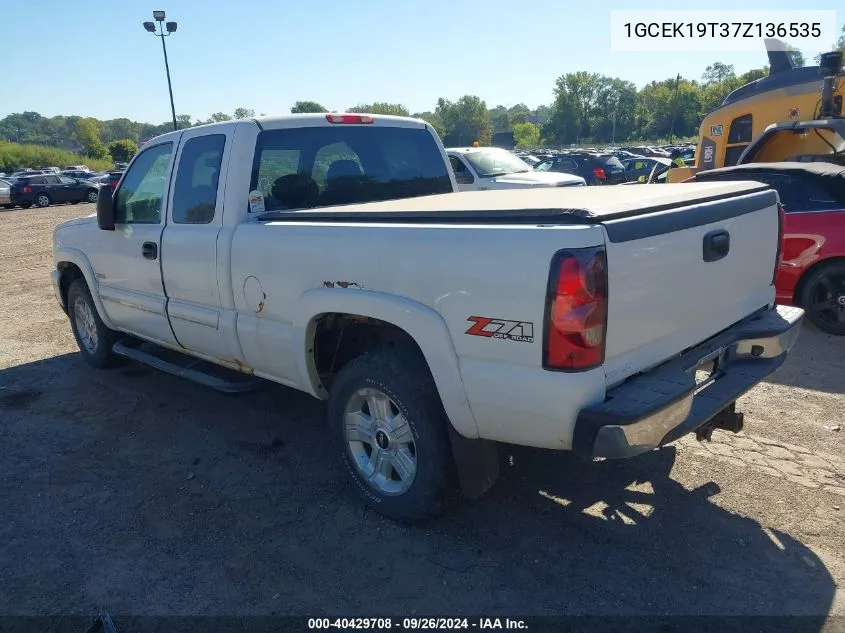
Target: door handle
x,y
717,244
149,250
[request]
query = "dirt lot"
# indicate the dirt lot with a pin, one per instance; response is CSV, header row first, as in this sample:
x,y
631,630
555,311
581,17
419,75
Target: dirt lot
x,y
142,493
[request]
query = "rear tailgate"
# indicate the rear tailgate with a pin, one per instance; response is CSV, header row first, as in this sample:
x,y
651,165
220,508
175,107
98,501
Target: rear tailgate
x,y
686,270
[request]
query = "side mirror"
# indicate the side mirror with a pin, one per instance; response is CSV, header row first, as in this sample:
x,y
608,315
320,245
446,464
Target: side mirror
x,y
105,209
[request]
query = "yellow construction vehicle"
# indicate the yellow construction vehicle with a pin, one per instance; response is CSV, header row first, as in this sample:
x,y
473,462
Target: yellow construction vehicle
x,y
787,95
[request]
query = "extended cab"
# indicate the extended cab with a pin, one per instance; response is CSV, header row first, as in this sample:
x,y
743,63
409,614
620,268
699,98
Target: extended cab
x,y
607,321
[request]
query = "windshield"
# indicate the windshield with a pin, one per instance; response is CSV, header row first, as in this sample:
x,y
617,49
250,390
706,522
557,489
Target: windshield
x,y
496,162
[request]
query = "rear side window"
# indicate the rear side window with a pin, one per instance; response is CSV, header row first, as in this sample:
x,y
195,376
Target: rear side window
x,y
197,177
611,162
303,168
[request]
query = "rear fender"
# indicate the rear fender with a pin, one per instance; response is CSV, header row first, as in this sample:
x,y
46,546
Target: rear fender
x,y
424,325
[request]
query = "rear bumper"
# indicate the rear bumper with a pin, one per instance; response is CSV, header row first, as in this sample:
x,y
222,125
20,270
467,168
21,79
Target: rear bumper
x,y
664,404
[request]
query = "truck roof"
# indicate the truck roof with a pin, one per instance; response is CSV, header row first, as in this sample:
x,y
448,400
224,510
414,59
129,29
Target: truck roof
x,y
562,205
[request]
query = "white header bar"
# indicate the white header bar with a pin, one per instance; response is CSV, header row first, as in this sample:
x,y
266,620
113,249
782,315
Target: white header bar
x,y
666,29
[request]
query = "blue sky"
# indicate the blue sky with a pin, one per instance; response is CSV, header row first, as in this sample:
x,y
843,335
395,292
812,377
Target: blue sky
x,y
266,54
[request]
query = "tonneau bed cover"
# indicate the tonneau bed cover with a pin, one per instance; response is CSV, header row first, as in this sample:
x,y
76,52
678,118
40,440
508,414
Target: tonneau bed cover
x,y
582,205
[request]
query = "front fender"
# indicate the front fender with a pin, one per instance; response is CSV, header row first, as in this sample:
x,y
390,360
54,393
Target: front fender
x,y
422,323
78,258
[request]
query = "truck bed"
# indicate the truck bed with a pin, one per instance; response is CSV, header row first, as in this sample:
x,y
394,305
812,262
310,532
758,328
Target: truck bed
x,y
587,205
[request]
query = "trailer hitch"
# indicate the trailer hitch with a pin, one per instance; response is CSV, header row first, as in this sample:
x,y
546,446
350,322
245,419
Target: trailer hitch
x,y
727,419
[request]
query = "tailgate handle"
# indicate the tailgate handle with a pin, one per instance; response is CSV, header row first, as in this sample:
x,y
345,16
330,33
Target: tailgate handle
x,y
716,245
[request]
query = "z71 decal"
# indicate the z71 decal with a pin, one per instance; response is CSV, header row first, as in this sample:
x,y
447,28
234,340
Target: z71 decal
x,y
522,331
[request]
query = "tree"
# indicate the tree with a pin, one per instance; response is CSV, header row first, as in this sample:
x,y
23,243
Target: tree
x,y
183,121
122,151
717,73
244,113
576,96
465,121
307,106
797,57
526,135
395,109
89,134
433,120
499,119
217,117
518,114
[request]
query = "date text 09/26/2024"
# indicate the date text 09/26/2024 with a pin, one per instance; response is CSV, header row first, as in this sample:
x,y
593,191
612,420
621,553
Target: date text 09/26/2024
x,y
416,624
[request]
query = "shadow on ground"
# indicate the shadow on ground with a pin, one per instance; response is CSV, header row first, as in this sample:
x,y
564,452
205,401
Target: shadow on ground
x,y
814,363
143,494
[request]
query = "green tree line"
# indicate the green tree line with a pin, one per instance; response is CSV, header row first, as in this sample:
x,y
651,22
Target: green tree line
x,y
586,108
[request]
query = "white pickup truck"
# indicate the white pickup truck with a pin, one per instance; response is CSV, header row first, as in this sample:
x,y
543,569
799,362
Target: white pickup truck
x,y
607,321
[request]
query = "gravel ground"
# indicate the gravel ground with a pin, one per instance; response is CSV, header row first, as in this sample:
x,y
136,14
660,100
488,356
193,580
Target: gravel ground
x,y
144,494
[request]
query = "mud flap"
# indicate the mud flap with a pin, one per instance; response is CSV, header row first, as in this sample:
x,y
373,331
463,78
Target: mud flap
x,y
476,463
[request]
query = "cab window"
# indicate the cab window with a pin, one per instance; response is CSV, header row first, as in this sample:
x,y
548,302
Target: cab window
x,y
739,137
139,198
197,177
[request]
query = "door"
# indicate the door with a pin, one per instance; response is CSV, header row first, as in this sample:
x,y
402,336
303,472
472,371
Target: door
x,y
463,174
126,261
55,189
71,191
189,245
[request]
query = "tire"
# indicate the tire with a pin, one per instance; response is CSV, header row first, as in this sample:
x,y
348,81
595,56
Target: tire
x,y
410,434
42,200
823,298
92,336
92,196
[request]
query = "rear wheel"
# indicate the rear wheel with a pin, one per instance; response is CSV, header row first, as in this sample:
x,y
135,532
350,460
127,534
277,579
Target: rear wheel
x,y
823,298
92,336
42,200
390,430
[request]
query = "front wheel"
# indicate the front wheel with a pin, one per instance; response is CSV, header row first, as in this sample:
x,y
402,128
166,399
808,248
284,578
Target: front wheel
x,y
92,196
390,430
92,336
823,298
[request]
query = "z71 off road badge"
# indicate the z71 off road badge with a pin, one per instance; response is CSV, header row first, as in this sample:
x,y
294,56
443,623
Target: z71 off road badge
x,y
522,331
716,130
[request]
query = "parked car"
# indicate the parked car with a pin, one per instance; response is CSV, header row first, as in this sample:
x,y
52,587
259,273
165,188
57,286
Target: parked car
x,y
76,168
333,255
80,174
45,189
113,178
482,168
811,273
5,193
640,169
594,168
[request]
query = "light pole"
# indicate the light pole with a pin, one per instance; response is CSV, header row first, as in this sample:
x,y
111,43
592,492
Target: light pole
x,y
164,29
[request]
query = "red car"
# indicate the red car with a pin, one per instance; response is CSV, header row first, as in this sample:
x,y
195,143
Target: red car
x,y
811,273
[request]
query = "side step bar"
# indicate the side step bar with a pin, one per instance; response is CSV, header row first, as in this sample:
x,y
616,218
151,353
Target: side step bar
x,y
195,370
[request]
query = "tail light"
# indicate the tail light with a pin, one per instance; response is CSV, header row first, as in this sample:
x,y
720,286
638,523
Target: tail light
x,y
599,173
27,189
781,220
576,310
349,118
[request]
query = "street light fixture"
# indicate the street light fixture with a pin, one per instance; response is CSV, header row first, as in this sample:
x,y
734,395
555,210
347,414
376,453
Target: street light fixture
x,y
163,31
